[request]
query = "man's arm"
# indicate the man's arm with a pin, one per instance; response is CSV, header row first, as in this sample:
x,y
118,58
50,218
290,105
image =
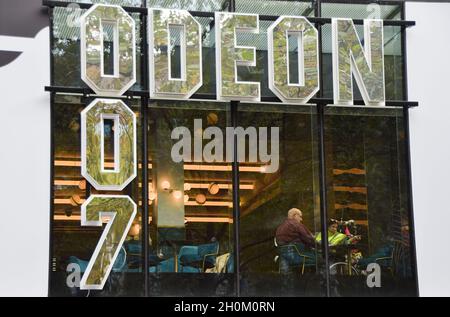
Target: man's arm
x,y
306,236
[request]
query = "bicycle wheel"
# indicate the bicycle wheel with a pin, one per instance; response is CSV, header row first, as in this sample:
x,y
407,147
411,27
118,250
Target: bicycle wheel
x,y
341,268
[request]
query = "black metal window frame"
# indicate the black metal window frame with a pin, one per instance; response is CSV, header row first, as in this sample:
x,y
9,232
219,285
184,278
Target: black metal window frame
x,y
319,101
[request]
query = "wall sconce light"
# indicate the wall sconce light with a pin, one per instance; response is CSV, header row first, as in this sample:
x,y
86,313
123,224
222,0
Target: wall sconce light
x,y
165,185
135,230
177,194
212,118
200,199
74,125
213,189
82,184
75,200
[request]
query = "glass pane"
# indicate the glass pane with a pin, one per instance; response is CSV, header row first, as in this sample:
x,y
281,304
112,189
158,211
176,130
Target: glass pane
x,y
191,204
367,199
278,252
66,48
73,244
334,9
125,3
208,56
298,8
191,5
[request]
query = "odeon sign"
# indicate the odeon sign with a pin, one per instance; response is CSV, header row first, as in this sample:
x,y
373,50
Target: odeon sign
x,y
349,56
366,64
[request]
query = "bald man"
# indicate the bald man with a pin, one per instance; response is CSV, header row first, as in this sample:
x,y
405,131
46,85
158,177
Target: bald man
x,y
293,230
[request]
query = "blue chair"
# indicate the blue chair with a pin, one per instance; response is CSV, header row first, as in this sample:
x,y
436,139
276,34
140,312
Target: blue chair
x,y
196,259
134,260
230,264
119,265
383,257
164,266
295,255
394,257
81,263
156,264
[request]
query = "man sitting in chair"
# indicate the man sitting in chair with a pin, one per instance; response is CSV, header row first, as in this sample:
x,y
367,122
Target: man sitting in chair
x,y
294,240
293,230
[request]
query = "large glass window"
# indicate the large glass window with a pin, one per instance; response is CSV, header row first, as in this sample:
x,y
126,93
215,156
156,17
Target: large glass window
x,y
367,202
191,211
272,263
205,201
72,244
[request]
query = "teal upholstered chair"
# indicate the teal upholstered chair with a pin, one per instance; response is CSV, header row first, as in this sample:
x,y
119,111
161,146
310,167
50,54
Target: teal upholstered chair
x,y
394,257
120,264
134,258
295,255
383,257
230,264
196,259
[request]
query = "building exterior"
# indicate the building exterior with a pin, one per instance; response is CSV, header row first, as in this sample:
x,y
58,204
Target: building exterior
x,y
117,183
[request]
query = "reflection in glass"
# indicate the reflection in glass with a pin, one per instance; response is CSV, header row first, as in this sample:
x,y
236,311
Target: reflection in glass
x,y
191,5
277,260
191,206
356,140
334,9
276,7
72,244
128,3
367,205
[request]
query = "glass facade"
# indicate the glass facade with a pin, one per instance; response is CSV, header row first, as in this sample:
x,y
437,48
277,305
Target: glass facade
x,y
268,269
73,244
211,224
191,232
367,184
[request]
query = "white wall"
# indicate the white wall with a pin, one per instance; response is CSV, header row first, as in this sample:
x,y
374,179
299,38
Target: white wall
x,y
428,76
25,167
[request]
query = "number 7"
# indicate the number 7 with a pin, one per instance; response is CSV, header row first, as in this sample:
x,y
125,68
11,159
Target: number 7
x,y
120,212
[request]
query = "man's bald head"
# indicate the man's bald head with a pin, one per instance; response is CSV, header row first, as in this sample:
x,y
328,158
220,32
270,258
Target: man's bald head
x,y
295,213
